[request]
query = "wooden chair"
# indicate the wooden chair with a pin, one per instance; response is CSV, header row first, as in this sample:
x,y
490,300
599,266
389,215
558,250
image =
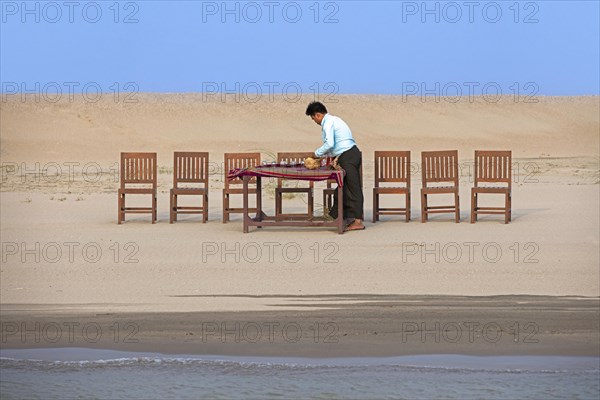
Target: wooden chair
x,y
391,166
328,196
492,167
137,169
237,160
189,168
280,189
439,167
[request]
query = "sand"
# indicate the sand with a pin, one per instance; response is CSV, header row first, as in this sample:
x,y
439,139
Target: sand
x,y
345,325
64,256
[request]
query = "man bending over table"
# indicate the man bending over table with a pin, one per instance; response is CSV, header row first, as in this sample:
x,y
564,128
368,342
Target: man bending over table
x,y
338,142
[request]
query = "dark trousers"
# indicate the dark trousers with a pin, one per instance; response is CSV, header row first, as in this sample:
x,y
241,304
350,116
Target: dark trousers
x,y
351,162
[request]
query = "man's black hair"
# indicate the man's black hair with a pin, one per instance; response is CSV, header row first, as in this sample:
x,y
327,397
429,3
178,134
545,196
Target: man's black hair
x,y
315,107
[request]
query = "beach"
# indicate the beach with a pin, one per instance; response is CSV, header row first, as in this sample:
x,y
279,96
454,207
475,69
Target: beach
x,y
530,287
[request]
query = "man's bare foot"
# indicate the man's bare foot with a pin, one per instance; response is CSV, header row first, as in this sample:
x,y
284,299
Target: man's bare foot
x,y
356,225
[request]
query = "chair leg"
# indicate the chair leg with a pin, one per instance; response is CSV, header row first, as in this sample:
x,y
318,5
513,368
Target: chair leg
x,y
205,208
510,206
473,205
278,203
457,205
408,207
171,208
329,202
311,204
176,205
123,209
506,208
154,216
375,207
120,217
258,197
423,208
225,207
476,206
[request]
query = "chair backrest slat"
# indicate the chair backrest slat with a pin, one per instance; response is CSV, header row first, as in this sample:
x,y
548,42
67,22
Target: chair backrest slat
x,y
392,166
190,167
439,166
239,160
293,157
493,166
138,168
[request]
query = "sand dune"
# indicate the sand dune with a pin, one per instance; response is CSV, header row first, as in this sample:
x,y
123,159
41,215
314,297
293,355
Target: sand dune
x,y
83,131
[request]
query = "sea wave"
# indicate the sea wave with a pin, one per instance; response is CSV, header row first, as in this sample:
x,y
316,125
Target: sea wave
x,y
583,366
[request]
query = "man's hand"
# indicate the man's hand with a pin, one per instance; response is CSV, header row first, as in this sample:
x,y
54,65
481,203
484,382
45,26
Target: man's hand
x,y
335,163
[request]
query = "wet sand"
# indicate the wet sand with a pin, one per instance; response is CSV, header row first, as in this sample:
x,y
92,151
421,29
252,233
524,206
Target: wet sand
x,y
346,326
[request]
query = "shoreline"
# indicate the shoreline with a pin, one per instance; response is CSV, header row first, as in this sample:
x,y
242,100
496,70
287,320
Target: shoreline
x,y
377,326
89,356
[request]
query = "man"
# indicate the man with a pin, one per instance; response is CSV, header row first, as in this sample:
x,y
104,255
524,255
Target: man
x,y
338,142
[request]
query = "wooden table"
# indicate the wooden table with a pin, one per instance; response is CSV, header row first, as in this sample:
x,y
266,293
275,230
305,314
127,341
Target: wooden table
x,y
290,173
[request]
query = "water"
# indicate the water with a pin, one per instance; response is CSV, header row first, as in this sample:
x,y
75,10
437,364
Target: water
x,y
105,374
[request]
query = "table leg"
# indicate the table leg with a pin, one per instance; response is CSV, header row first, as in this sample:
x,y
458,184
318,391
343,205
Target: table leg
x,y
340,204
258,195
245,215
259,213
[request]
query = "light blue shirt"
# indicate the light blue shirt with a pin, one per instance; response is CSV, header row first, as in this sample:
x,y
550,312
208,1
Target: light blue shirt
x,y
337,137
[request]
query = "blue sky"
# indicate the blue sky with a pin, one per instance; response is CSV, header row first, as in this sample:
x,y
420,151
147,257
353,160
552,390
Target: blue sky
x,y
387,47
